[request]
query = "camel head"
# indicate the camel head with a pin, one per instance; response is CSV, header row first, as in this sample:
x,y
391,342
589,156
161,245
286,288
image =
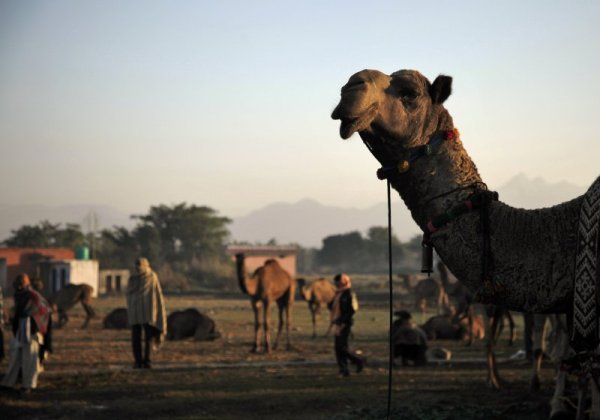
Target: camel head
x,y
394,112
305,291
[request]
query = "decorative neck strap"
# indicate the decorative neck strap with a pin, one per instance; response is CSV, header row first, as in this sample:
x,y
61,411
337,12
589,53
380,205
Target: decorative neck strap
x,y
403,166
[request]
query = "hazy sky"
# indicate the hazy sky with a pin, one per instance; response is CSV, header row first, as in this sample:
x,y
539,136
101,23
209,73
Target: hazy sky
x,y
227,103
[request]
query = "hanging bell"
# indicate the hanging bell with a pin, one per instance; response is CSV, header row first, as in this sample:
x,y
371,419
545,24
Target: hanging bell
x,y
403,166
426,258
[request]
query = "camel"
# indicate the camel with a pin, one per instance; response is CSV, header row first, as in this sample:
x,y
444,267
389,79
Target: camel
x,y
191,323
269,283
116,319
424,291
317,294
520,259
69,296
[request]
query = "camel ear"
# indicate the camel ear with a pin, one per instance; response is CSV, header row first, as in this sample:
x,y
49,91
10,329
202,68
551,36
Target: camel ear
x,y
440,89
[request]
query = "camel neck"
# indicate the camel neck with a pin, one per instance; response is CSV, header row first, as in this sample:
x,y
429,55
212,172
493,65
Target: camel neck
x,y
438,181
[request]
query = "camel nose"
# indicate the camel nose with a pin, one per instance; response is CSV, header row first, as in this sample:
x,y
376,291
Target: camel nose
x,y
336,112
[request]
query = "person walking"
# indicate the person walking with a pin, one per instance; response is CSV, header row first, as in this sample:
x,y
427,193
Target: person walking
x,y
146,312
29,324
341,317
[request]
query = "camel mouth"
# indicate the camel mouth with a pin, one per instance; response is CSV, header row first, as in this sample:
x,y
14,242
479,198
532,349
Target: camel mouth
x,y
351,125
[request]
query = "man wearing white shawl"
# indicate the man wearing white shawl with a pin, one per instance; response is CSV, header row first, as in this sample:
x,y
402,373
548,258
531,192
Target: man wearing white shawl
x,y
146,311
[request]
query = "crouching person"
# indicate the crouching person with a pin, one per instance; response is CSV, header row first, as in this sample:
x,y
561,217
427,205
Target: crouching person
x,y
409,341
29,325
146,312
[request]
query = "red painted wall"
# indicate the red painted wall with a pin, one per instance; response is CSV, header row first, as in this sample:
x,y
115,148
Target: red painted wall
x,y
25,260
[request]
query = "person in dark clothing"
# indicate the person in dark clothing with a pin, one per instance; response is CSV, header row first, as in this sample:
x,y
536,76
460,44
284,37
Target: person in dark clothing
x,y
29,324
341,316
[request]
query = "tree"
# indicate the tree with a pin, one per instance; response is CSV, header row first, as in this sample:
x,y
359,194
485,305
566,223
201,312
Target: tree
x,y
46,235
185,241
341,252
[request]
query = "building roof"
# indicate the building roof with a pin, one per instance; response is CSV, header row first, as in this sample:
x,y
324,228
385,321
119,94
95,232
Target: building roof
x,y
276,250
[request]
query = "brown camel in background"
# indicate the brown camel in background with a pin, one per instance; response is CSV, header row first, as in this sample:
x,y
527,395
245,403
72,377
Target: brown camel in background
x,y
426,290
69,296
317,294
269,283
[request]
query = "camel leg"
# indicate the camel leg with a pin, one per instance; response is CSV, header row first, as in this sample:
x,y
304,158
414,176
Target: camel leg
x,y
534,382
582,386
511,326
538,345
279,326
470,321
493,376
267,325
90,313
558,409
256,345
595,408
62,318
288,326
313,314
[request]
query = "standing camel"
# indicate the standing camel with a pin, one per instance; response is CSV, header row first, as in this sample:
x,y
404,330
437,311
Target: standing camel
x,y
69,296
317,294
269,283
425,291
520,259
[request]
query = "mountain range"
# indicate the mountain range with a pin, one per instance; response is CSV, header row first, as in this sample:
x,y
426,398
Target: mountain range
x,y
305,222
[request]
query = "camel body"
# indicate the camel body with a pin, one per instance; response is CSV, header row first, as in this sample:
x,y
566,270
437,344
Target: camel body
x,y
269,283
191,323
532,261
116,319
318,294
69,296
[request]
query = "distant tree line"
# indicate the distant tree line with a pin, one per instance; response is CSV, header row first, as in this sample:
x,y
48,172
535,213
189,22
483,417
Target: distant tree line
x,y
354,253
186,246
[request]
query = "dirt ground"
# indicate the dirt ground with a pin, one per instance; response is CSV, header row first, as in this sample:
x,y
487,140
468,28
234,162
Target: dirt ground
x,y
89,375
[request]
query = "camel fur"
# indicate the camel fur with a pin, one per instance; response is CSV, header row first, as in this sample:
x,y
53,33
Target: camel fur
x,y
317,294
269,283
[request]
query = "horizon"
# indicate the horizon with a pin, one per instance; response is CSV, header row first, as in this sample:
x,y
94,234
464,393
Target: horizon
x,y
139,103
519,191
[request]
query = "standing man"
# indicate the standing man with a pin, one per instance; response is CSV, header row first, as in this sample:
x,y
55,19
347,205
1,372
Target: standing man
x,y
341,316
146,312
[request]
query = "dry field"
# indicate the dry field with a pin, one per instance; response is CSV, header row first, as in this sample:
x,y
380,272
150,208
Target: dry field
x,y
89,376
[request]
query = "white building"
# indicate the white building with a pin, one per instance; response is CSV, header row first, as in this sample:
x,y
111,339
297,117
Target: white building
x,y
56,274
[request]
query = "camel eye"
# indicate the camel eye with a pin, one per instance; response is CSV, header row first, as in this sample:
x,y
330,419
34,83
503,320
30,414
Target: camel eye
x,y
408,94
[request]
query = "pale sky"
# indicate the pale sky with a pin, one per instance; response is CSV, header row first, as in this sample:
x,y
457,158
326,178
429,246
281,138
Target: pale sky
x,y
227,103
